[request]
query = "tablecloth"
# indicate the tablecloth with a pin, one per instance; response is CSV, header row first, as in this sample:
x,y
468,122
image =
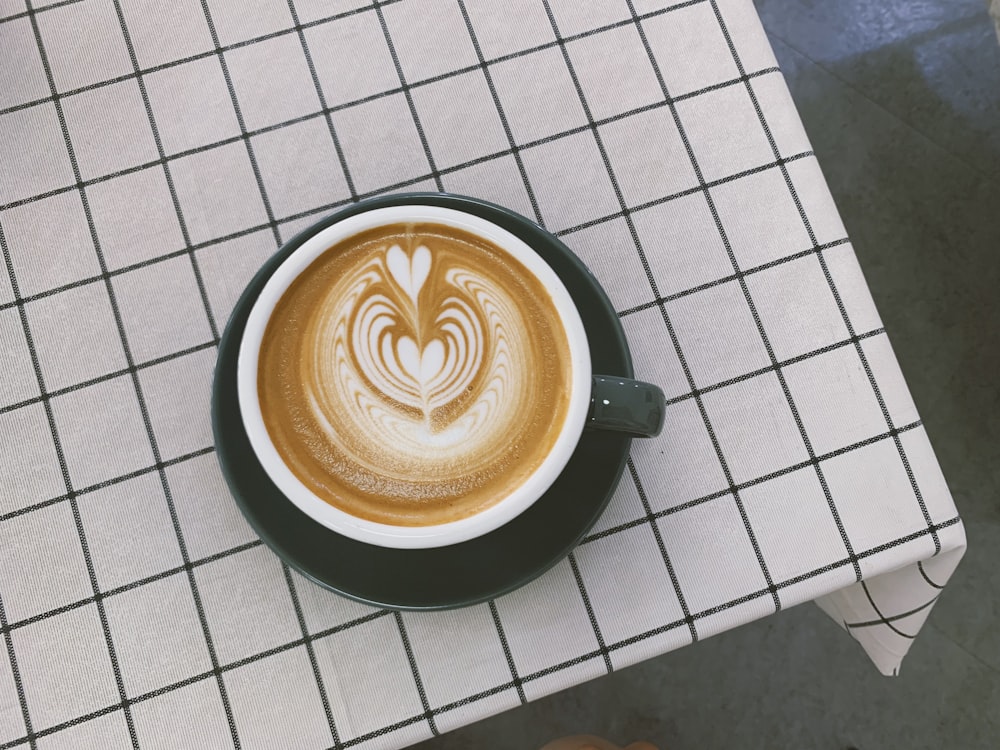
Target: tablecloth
x,y
153,155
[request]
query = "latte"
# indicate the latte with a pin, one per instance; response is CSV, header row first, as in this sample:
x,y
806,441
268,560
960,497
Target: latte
x,y
414,374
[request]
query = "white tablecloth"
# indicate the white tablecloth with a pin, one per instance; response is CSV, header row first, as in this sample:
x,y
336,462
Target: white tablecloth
x,y
153,155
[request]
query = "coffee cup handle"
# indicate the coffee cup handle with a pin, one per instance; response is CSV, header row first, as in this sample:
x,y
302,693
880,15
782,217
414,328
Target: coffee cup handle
x,y
623,405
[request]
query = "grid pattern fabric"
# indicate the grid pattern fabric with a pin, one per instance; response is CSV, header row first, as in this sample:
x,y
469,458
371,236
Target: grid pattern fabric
x,y
153,156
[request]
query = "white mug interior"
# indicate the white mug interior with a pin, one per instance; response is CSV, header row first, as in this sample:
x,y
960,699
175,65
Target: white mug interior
x,y
437,535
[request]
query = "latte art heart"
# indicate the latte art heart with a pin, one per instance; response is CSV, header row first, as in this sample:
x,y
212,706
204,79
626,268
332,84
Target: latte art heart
x,y
393,357
424,375
413,374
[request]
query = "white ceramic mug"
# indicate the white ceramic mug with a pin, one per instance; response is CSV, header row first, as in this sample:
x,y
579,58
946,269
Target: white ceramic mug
x,y
580,410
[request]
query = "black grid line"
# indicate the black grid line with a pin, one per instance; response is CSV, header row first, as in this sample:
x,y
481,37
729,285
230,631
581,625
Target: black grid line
x,y
508,655
586,540
472,162
750,483
582,658
197,678
887,621
435,174
327,19
71,496
35,11
158,141
681,193
331,109
8,641
826,273
324,107
844,562
474,698
765,339
655,527
448,170
130,267
101,612
561,233
773,368
910,537
50,417
732,277
384,731
416,673
244,135
554,668
48,395
807,442
193,58
140,397
34,736
923,574
16,674
892,618
124,588
504,122
156,466
300,642
273,224
670,401
627,216
760,328
673,400
311,652
204,296
601,646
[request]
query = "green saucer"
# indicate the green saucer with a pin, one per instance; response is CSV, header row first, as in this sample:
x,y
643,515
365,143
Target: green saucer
x,y
441,577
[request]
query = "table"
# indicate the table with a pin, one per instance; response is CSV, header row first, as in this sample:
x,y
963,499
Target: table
x,y
151,159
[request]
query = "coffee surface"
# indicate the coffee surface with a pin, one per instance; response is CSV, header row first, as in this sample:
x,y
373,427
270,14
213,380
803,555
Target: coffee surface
x,y
414,374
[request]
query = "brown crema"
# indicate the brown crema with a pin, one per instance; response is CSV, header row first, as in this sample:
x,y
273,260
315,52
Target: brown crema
x,y
414,374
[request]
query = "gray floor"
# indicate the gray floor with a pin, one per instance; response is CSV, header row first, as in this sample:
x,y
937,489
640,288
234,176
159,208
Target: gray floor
x,y
902,101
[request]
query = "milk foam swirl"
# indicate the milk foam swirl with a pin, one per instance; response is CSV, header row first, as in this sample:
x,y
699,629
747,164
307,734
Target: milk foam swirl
x,y
414,374
416,369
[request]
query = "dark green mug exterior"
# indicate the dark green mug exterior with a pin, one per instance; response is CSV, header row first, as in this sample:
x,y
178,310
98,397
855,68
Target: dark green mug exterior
x,y
624,405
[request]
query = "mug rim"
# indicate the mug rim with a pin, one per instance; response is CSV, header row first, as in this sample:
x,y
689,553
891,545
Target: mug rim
x,y
434,535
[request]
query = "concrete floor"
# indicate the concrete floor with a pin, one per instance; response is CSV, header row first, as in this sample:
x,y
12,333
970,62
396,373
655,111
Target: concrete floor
x,y
902,101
